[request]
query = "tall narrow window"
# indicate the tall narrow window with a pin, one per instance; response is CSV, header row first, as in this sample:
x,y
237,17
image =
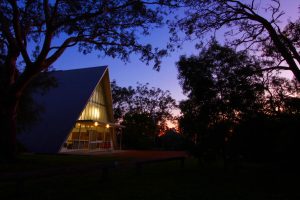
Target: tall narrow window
x,y
96,108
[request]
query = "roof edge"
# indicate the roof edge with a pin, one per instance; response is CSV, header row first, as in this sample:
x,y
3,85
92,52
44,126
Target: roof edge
x,y
82,68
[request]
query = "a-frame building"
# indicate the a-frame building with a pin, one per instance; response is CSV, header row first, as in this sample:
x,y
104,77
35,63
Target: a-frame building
x,y
77,114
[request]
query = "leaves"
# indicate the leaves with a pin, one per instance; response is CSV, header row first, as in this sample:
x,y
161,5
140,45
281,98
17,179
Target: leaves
x,y
221,86
143,100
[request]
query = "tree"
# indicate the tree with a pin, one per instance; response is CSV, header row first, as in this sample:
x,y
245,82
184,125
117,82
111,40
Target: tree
x,y
38,32
222,80
222,90
267,137
281,95
139,131
246,26
172,140
122,100
29,110
152,102
272,135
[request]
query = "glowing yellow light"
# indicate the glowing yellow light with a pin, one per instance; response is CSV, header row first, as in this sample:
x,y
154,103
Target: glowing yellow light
x,y
96,113
107,126
96,123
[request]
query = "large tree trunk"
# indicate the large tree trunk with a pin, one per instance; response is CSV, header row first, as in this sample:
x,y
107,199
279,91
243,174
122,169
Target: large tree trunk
x,y
12,89
288,52
8,124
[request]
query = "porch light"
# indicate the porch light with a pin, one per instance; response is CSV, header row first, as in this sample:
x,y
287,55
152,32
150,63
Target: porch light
x,y
107,126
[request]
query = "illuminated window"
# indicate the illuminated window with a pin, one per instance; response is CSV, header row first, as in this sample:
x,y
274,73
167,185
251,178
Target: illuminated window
x,y
96,108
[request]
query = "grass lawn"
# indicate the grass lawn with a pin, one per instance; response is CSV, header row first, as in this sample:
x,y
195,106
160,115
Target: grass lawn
x,y
31,162
157,181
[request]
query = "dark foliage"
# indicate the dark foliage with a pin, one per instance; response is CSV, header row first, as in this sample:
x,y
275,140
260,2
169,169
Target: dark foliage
x,y
144,112
221,88
281,95
267,138
172,140
29,110
139,131
235,113
143,100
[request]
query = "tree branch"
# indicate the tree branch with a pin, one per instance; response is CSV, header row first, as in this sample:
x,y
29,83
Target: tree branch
x,y
54,13
18,32
87,16
273,68
292,48
46,11
59,51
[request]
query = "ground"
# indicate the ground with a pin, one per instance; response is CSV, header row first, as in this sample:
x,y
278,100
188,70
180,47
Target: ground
x,y
157,181
136,155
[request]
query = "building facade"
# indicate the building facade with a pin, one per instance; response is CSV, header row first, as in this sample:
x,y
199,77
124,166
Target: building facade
x,y
77,114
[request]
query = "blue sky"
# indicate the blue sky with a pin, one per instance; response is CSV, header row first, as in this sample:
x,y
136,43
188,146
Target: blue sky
x,y
130,73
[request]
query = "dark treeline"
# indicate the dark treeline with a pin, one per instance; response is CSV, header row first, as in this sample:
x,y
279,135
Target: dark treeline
x,y
238,105
144,111
234,110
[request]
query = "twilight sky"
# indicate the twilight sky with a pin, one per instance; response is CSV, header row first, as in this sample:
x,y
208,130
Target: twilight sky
x,y
136,71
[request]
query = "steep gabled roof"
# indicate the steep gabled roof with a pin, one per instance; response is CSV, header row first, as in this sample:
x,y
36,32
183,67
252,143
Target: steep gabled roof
x,y
62,106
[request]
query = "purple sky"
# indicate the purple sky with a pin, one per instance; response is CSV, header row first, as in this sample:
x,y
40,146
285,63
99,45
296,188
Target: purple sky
x,y
136,71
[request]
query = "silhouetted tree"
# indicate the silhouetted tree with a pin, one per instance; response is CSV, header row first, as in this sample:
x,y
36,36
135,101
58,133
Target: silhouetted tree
x,y
281,95
222,90
271,135
268,138
139,131
245,25
122,98
28,30
144,112
172,140
144,100
29,110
